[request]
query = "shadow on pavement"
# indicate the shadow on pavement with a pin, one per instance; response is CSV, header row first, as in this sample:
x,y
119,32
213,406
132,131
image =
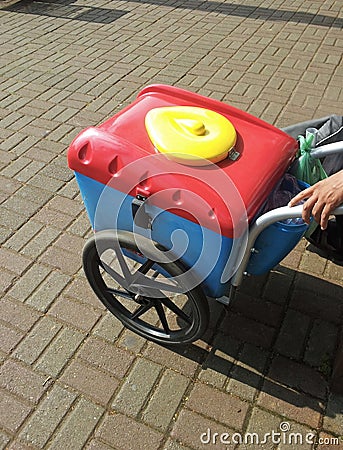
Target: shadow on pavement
x,y
67,9
283,346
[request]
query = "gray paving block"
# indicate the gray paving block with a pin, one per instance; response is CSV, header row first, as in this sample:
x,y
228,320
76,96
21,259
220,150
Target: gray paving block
x,y
135,390
165,400
60,351
77,426
37,339
49,413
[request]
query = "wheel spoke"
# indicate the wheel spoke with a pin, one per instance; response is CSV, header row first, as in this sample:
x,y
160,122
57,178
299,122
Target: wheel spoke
x,y
155,286
162,316
145,267
176,310
124,267
113,274
119,293
140,311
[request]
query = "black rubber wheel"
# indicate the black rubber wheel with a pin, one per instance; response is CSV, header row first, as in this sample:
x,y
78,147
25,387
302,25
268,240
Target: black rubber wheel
x,y
144,295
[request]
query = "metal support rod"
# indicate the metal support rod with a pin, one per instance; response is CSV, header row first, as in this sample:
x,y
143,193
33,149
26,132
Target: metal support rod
x,y
326,150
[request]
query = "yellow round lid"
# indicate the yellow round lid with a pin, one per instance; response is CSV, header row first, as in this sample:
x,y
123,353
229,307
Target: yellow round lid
x,y
190,135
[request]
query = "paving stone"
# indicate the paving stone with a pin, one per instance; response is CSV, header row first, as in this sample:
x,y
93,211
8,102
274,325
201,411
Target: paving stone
x,y
168,358
135,390
18,445
13,261
198,432
333,415
29,171
6,280
33,193
257,309
38,244
9,185
17,314
20,380
70,243
10,219
60,351
131,341
81,377
220,360
68,263
80,290
291,340
260,423
247,330
70,311
47,416
48,291
46,183
4,439
12,412
114,431
37,339
328,441
9,338
95,444
49,216
108,328
78,426
24,287
165,400
101,354
205,400
70,190
298,376
23,236
246,376
298,435
290,404
173,445
321,345
311,303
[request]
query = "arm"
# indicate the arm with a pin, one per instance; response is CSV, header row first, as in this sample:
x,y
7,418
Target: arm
x,y
321,199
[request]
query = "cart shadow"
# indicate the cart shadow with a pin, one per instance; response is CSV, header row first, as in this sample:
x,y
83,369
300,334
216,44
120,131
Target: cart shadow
x,y
275,344
251,11
66,9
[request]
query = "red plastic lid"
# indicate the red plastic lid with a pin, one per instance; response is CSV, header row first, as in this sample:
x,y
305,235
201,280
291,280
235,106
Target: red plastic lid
x,y
264,154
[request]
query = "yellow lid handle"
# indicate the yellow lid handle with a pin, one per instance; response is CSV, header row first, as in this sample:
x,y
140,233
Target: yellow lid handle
x,y
193,126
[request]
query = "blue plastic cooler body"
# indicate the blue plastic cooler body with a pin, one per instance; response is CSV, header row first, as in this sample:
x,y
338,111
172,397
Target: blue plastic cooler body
x,y
108,208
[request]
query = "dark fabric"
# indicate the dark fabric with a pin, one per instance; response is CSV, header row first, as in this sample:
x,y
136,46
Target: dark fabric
x,y
331,131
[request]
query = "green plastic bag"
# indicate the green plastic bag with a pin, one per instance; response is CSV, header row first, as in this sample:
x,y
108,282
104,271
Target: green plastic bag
x,y
308,169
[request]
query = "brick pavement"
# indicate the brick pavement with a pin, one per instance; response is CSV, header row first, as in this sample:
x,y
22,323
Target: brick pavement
x,y
71,377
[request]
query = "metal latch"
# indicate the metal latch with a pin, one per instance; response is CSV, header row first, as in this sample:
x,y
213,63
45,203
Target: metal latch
x,y
234,154
139,214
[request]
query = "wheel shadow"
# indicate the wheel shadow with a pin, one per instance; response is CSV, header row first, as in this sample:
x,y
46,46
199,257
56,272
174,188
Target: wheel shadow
x,y
275,344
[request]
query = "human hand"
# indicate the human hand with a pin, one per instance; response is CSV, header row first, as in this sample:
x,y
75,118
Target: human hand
x,y
321,199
